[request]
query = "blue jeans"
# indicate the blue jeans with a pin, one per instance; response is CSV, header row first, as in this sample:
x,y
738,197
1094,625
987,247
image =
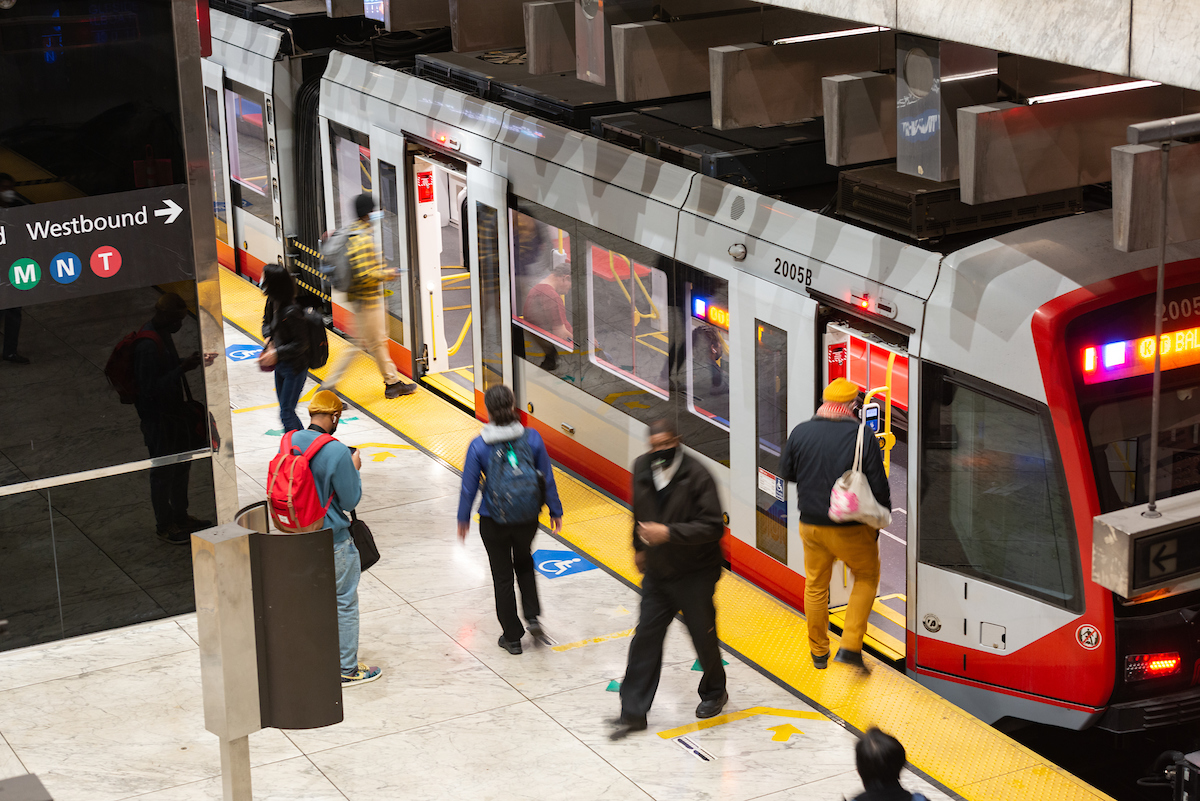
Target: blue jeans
x,y
289,383
346,572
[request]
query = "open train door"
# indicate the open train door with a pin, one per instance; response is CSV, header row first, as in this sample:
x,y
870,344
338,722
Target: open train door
x,y
218,157
485,216
388,169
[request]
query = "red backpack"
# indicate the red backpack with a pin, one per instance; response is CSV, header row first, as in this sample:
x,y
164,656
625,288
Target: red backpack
x,y
292,490
119,370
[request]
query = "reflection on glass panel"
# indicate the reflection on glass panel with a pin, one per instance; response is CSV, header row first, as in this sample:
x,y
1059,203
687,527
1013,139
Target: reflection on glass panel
x,y
541,287
350,171
220,188
770,393
707,305
629,335
91,95
391,229
488,222
62,413
993,501
89,556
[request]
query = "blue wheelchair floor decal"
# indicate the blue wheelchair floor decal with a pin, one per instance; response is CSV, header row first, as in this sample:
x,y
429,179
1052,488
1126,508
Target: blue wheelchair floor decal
x,y
243,353
553,564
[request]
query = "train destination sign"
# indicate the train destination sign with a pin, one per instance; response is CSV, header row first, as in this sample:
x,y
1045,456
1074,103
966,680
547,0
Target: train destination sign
x,y
1130,357
93,245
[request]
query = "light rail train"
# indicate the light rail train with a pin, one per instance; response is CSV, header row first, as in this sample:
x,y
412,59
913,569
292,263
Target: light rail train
x,y
609,288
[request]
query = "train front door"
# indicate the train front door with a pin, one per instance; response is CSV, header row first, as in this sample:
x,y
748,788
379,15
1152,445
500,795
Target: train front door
x,y
774,334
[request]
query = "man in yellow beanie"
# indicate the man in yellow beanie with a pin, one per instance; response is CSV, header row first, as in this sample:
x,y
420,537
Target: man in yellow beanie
x,y
335,471
816,455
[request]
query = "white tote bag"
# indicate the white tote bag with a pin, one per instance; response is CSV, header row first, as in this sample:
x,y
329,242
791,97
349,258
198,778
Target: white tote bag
x,y
851,500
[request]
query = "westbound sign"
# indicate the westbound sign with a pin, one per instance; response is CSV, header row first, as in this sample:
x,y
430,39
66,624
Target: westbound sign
x,y
92,245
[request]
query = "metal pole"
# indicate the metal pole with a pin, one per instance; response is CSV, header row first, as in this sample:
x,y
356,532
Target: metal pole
x,y
1151,511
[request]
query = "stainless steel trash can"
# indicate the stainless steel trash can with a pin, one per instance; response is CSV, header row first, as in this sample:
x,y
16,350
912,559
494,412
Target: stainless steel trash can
x,y
296,627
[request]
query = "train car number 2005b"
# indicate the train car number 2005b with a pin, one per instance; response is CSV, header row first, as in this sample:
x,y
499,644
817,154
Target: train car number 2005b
x,y
787,269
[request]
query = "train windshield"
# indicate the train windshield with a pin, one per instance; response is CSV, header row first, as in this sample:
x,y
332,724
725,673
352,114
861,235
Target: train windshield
x,y
1113,370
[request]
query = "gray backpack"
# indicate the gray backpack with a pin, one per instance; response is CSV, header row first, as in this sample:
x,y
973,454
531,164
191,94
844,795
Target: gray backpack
x,y
335,260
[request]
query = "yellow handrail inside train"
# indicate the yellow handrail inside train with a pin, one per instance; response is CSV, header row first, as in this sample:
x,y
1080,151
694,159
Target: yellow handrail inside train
x,y
462,336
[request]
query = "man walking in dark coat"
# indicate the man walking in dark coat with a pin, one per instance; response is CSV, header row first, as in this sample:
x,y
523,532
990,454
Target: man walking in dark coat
x,y
816,455
677,529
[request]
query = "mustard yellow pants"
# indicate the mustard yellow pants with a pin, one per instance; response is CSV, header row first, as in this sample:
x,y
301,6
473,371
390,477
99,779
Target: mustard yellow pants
x,y
858,547
370,334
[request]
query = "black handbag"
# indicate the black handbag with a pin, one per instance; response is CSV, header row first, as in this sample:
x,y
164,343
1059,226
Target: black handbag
x,y
364,541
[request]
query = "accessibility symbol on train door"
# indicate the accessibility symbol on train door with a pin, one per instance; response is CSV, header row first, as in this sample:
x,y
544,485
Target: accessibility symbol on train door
x,y
553,564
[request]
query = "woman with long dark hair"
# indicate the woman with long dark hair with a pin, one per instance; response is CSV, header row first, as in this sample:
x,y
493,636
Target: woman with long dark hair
x,y
285,345
518,479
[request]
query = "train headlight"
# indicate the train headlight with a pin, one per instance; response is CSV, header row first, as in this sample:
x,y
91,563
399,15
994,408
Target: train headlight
x,y
1151,666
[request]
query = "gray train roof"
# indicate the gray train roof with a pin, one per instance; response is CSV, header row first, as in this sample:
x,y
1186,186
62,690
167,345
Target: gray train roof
x,y
245,49
979,317
463,111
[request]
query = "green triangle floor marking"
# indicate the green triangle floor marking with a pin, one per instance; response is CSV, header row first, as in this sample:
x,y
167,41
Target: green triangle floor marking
x,y
613,686
696,664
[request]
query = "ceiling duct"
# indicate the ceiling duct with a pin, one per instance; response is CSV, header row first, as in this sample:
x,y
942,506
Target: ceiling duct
x,y
933,80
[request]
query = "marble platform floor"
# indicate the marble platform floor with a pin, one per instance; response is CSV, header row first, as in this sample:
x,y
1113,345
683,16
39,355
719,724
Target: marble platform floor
x,y
119,715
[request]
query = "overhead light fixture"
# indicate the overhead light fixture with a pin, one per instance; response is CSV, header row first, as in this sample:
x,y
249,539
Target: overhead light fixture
x,y
813,37
967,76
1095,90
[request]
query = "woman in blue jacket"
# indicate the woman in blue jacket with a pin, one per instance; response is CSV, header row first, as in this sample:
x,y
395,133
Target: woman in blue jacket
x,y
508,544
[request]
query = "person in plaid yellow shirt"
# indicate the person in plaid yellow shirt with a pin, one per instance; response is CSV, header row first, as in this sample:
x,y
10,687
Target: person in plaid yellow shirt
x,y
366,301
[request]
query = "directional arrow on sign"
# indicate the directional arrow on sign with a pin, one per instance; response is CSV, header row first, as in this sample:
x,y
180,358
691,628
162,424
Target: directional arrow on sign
x,y
171,211
783,733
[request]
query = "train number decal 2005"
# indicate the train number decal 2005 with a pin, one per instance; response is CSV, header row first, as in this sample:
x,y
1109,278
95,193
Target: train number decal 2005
x,y
795,272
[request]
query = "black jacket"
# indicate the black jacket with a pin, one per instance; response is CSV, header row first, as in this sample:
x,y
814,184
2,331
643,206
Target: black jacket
x,y
285,327
815,456
689,507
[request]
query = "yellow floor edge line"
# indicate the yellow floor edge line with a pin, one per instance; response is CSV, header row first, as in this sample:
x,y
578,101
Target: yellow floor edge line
x,y
969,757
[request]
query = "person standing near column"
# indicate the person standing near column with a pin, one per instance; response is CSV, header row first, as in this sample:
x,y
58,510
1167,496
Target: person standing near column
x,y
677,530
366,301
285,343
335,471
816,455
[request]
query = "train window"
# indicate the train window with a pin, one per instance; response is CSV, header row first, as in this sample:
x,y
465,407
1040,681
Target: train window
x,y
542,281
706,341
1119,434
627,302
249,165
220,187
542,278
350,170
771,431
391,238
488,221
993,498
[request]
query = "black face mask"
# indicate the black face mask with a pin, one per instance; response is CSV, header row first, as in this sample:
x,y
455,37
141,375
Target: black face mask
x,y
664,457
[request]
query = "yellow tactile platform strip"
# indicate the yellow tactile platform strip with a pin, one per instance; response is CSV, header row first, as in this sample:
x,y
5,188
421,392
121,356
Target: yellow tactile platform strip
x,y
951,747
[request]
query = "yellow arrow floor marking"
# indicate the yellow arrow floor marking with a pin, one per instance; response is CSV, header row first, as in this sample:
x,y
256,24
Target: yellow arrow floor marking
x,y
391,445
733,716
616,635
307,396
784,732
379,457
256,408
